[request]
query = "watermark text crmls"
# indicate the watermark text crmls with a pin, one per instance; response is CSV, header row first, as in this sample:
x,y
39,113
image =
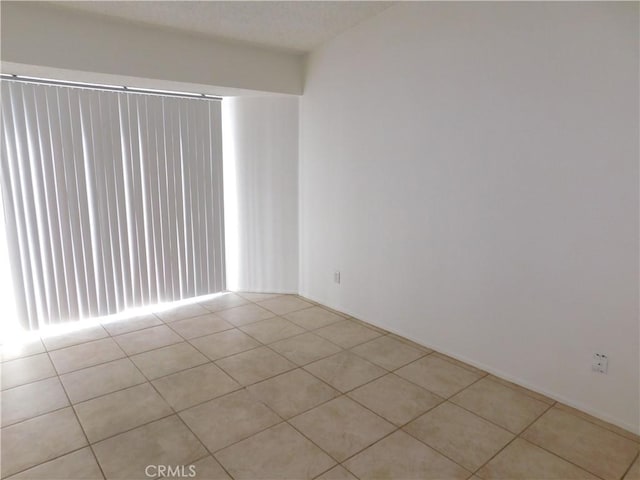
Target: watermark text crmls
x,y
173,471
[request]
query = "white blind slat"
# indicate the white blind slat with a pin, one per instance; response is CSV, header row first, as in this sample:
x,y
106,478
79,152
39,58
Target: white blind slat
x,y
15,224
61,241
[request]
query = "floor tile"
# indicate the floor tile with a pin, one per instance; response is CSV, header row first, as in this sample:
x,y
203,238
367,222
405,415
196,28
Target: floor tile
x,y
19,349
284,304
32,399
196,385
245,314
399,456
57,433
313,317
166,360
272,329
589,446
387,352
119,327
305,348
119,411
25,370
78,465
346,333
258,297
293,392
508,408
341,427
438,376
180,313
163,442
207,468
108,377
225,343
345,371
634,471
199,326
147,339
86,355
277,453
395,399
202,378
224,301
337,473
226,420
460,435
255,365
74,338
522,460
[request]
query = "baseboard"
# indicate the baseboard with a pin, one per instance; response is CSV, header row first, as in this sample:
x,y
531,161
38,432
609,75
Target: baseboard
x,y
635,429
279,292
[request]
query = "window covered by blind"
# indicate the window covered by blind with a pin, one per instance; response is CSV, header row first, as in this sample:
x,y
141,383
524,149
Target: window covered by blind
x,y
111,199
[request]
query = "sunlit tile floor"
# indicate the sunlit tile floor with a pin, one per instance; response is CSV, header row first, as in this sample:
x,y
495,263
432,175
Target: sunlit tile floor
x,y
250,386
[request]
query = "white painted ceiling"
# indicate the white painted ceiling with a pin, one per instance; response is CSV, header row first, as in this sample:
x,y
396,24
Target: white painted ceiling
x,y
297,26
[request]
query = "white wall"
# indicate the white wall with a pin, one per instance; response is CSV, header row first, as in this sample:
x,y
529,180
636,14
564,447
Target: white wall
x,y
260,141
40,37
472,170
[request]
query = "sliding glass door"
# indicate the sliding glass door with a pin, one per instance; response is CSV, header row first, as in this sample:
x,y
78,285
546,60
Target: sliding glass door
x,y
112,200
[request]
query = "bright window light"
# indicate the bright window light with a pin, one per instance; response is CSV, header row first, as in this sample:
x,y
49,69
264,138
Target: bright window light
x,y
229,160
19,339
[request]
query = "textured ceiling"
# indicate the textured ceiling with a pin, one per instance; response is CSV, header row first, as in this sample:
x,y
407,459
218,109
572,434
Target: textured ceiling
x,y
295,26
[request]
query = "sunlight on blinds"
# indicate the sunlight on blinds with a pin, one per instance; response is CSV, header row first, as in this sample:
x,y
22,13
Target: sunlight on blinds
x,y
112,200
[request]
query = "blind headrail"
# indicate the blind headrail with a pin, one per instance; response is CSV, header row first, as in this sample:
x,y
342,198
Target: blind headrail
x,y
111,88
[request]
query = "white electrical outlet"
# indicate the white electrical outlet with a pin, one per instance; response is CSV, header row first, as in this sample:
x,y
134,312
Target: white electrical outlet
x,y
336,276
600,363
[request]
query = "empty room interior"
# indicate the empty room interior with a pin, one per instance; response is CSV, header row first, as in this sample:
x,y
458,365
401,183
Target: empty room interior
x,y
291,240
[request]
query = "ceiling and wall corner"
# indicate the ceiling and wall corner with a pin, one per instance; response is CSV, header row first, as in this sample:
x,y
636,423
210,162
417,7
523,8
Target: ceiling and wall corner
x,y
68,44
294,27
221,48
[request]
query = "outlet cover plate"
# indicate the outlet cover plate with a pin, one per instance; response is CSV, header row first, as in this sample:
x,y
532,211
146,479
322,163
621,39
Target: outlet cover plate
x,y
600,363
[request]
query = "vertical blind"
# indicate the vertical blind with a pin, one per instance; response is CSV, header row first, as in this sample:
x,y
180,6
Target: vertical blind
x,y
111,199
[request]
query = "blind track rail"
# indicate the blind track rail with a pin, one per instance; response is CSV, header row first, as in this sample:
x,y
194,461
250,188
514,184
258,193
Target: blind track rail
x,y
110,88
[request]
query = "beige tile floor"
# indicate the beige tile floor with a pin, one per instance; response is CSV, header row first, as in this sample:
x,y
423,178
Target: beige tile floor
x,y
251,386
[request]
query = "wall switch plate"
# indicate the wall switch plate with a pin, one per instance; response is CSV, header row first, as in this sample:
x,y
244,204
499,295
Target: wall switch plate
x,y
336,276
600,363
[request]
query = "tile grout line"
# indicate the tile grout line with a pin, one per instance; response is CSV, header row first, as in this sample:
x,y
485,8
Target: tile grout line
x,y
636,459
345,394
150,380
51,460
284,420
109,335
75,414
209,360
401,428
167,403
242,388
71,404
518,436
584,469
341,394
447,399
